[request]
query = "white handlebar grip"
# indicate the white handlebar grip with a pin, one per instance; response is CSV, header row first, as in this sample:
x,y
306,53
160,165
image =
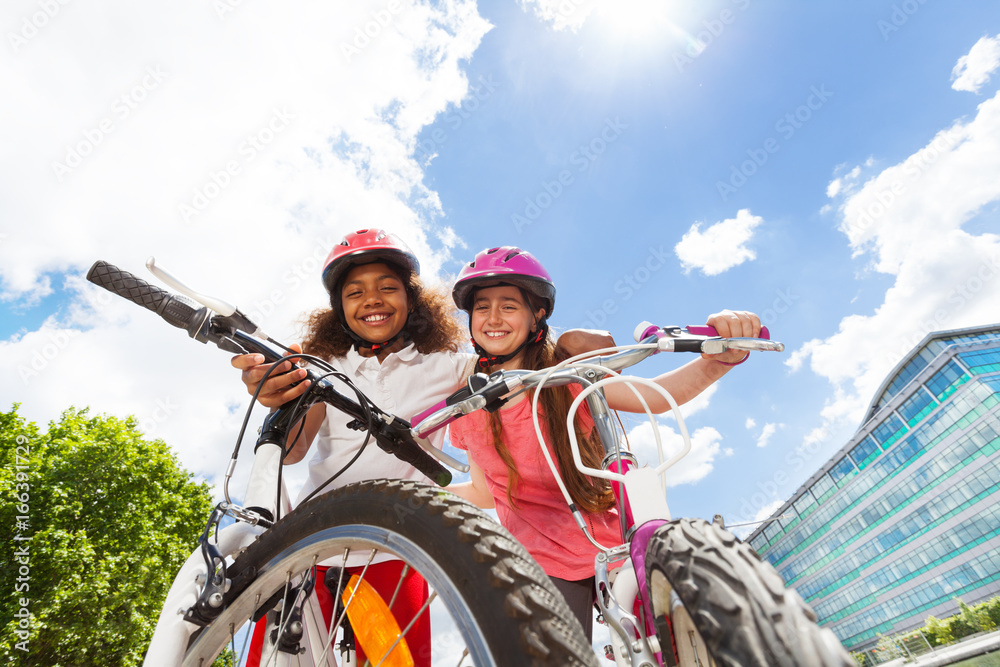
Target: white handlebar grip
x,y
639,330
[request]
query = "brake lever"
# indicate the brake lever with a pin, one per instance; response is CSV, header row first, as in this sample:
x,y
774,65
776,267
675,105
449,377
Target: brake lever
x,y
226,311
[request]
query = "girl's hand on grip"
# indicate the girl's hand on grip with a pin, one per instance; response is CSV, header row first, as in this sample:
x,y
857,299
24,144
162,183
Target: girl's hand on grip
x,y
733,324
277,389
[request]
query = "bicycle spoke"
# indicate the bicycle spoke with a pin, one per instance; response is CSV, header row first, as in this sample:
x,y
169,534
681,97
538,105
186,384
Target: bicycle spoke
x,y
333,614
399,584
409,625
284,596
434,544
340,619
246,638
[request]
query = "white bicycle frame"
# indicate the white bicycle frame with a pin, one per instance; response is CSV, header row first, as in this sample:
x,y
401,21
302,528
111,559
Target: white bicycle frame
x,y
173,632
633,642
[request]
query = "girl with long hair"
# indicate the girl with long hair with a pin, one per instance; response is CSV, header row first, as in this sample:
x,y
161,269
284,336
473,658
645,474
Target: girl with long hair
x,y
509,297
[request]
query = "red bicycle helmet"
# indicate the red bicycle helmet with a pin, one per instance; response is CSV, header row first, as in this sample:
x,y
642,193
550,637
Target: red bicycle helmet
x,y
364,247
505,264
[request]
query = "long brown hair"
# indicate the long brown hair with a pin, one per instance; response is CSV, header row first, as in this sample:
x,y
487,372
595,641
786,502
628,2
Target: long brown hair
x,y
589,493
431,323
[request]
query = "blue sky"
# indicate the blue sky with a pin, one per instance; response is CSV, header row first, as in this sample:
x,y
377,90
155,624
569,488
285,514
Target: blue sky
x,y
831,166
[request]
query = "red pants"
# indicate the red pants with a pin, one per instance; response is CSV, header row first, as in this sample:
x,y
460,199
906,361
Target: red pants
x,y
383,577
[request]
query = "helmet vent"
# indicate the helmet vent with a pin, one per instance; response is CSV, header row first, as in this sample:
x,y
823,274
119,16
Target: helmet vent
x,y
492,250
511,254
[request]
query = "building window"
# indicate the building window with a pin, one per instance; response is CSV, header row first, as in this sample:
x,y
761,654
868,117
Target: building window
x,y
917,406
946,380
864,451
889,431
983,361
822,488
842,470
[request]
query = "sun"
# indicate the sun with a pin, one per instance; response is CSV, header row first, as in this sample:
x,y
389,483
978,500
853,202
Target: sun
x,y
637,20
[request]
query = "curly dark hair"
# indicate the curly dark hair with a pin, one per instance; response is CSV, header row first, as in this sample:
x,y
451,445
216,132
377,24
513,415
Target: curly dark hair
x,y
431,324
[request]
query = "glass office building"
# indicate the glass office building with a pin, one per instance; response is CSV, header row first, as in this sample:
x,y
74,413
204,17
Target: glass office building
x,y
906,517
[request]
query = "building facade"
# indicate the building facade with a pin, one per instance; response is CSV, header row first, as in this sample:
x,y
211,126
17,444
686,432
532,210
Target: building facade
x,y
905,517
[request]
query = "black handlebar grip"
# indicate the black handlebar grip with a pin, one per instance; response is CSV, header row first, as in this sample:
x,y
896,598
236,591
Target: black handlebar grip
x,y
174,309
683,345
423,462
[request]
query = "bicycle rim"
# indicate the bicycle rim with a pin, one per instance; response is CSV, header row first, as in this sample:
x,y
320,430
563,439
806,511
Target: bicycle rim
x,y
491,604
738,603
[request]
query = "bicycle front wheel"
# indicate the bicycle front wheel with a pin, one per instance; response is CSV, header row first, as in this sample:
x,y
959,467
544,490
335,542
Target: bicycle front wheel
x,y
739,604
490,603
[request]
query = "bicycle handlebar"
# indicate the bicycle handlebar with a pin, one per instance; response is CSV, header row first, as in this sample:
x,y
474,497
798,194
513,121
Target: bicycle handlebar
x,y
177,310
231,333
488,392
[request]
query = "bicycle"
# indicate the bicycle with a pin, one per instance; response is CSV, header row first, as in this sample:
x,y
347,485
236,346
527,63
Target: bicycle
x,y
490,602
675,592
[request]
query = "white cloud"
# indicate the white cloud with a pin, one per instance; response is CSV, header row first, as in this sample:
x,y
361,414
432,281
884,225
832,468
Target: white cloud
x,y
910,220
972,71
561,14
280,127
750,423
696,404
720,246
699,462
766,433
762,515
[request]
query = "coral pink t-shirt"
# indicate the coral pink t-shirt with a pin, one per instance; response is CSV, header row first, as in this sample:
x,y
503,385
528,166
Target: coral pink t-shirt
x,y
542,521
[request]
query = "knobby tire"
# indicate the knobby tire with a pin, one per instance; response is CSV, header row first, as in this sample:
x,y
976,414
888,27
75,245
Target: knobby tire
x,y
738,603
504,608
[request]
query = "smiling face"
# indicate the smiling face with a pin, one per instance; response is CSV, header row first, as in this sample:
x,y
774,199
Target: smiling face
x,y
374,300
501,320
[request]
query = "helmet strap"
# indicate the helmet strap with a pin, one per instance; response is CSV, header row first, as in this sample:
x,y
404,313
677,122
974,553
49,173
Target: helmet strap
x,y
362,344
486,359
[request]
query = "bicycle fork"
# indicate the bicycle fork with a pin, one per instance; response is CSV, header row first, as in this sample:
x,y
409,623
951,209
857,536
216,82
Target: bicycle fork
x,y
193,584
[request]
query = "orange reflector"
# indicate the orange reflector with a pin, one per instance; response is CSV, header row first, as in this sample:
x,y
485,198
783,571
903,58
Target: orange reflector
x,y
375,628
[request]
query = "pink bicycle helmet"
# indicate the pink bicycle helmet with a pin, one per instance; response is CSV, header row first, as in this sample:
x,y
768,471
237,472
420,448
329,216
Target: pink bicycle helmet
x,y
505,264
364,247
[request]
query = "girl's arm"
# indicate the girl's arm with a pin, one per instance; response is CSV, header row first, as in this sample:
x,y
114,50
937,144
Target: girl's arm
x,y
298,449
276,392
577,341
475,490
688,381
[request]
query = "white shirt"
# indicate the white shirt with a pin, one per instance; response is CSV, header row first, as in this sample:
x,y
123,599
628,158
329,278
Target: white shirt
x,y
404,384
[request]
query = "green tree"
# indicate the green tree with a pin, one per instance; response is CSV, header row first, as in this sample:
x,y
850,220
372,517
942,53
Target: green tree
x,y
993,610
110,518
939,632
